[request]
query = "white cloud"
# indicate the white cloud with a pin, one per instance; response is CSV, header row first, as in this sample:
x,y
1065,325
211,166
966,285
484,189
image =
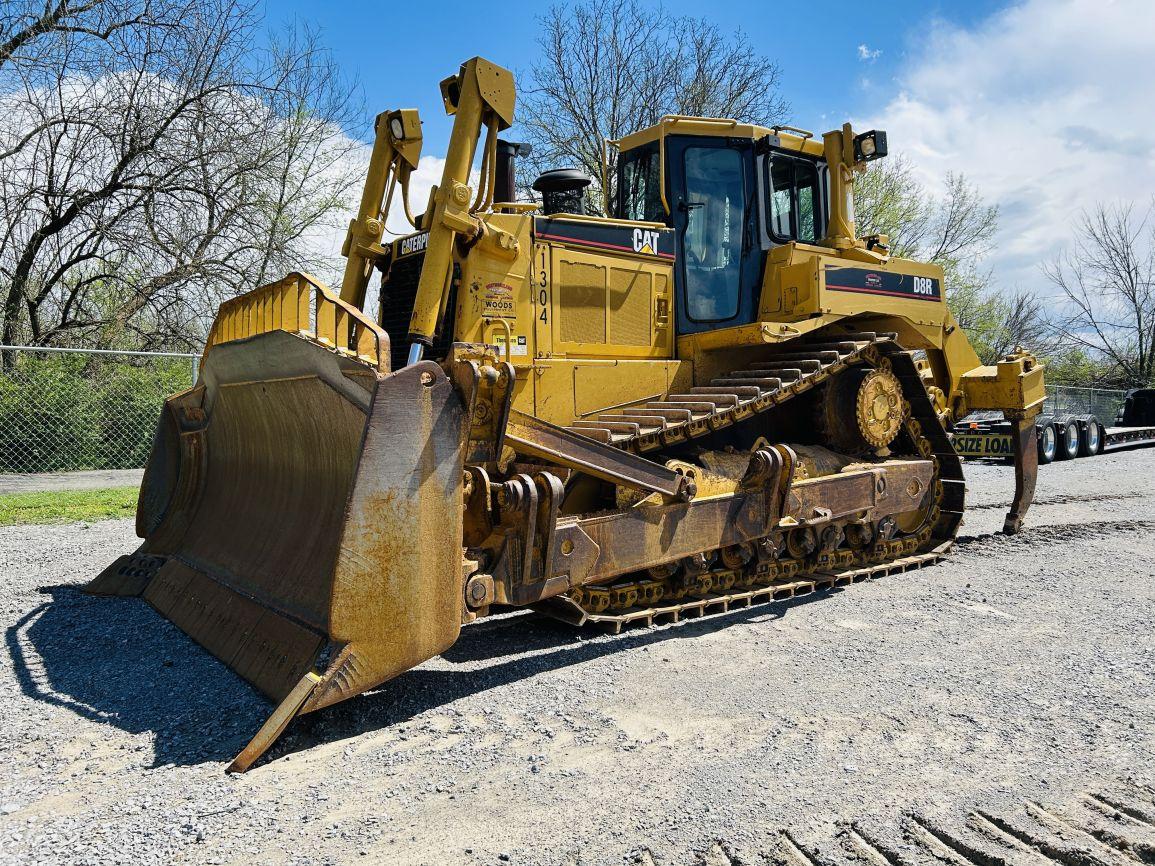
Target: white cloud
x,y
1045,106
867,54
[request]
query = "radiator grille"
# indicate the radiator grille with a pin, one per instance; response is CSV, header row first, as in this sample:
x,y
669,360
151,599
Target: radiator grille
x,y
398,292
630,305
583,303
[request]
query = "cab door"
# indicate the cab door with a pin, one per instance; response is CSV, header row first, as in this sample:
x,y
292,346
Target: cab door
x,y
712,198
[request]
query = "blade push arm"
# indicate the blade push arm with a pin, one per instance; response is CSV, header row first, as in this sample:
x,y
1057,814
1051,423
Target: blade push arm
x,y
396,151
480,95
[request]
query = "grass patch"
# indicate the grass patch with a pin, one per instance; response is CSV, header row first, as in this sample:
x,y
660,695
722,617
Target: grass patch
x,y
67,506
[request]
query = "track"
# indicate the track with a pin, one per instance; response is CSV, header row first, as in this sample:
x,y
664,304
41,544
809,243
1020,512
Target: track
x,y
726,579
797,367
571,610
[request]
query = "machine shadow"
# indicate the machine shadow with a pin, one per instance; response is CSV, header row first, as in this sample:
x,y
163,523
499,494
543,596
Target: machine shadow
x,y
117,662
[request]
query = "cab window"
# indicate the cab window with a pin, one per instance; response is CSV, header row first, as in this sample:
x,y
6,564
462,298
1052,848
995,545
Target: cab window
x,y
639,179
793,200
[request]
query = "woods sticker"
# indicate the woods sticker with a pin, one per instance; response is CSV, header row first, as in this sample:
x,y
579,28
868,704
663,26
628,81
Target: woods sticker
x,y
497,301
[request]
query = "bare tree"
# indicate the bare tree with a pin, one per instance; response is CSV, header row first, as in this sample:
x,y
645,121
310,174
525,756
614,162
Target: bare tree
x,y
181,164
1107,275
612,67
24,25
953,230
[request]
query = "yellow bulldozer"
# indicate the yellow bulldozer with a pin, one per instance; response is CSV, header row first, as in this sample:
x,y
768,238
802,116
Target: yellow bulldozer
x,y
719,396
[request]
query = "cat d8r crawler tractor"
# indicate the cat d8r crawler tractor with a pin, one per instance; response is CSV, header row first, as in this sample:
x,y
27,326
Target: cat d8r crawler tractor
x,y
720,396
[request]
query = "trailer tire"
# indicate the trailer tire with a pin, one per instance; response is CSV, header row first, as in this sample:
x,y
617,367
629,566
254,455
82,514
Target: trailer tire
x,y
1067,436
1091,434
1048,444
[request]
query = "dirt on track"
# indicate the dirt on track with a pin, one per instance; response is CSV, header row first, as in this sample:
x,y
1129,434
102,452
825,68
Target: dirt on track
x,y
813,732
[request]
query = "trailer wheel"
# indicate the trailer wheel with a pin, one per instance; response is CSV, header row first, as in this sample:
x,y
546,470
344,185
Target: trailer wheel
x,y
1048,443
1090,436
1067,429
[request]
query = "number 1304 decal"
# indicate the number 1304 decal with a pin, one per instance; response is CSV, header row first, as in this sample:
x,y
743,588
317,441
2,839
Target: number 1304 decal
x,y
542,293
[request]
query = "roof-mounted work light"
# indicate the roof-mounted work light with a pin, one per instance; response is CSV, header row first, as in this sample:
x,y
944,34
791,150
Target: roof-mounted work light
x,y
869,146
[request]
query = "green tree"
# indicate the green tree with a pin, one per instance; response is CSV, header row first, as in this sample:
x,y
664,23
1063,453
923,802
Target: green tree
x,y
954,230
1107,276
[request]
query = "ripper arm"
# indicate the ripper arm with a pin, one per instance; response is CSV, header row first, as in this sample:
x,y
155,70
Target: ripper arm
x,y
480,95
396,152
1014,385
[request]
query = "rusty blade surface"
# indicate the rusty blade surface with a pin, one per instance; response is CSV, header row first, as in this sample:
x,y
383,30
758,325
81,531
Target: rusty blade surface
x,y
398,585
302,520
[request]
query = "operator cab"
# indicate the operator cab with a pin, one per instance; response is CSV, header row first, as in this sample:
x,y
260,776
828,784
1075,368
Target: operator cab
x,y
732,193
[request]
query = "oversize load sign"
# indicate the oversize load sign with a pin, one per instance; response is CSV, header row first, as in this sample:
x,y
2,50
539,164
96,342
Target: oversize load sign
x,y
603,236
986,445
867,282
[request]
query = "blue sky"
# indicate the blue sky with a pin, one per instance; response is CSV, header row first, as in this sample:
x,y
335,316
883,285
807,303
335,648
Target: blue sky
x,y
399,57
1044,105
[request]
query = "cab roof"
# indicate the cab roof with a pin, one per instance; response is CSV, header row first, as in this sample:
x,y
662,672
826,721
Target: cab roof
x,y
789,137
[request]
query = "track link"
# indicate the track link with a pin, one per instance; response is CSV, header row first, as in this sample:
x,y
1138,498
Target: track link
x,y
571,609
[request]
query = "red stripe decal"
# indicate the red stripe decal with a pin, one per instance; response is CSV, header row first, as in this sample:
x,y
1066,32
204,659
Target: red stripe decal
x,y
584,242
884,292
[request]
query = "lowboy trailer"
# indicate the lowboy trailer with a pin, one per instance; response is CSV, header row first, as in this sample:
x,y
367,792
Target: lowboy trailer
x,y
1061,437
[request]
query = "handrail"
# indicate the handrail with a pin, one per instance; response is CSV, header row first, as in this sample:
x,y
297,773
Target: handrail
x,y
689,119
586,218
301,304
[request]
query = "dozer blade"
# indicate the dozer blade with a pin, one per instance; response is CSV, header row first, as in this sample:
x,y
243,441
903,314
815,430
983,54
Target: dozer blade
x,y
302,517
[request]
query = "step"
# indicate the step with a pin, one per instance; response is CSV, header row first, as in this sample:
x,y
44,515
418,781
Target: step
x,y
739,391
845,348
598,434
648,423
785,374
806,365
702,406
764,384
718,398
714,395
672,416
828,356
613,426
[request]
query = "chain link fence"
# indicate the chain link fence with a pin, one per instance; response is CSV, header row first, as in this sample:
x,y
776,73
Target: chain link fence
x,y
63,410
1103,403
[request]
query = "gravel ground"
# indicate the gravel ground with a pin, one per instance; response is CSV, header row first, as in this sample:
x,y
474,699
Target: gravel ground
x,y
95,479
1022,668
